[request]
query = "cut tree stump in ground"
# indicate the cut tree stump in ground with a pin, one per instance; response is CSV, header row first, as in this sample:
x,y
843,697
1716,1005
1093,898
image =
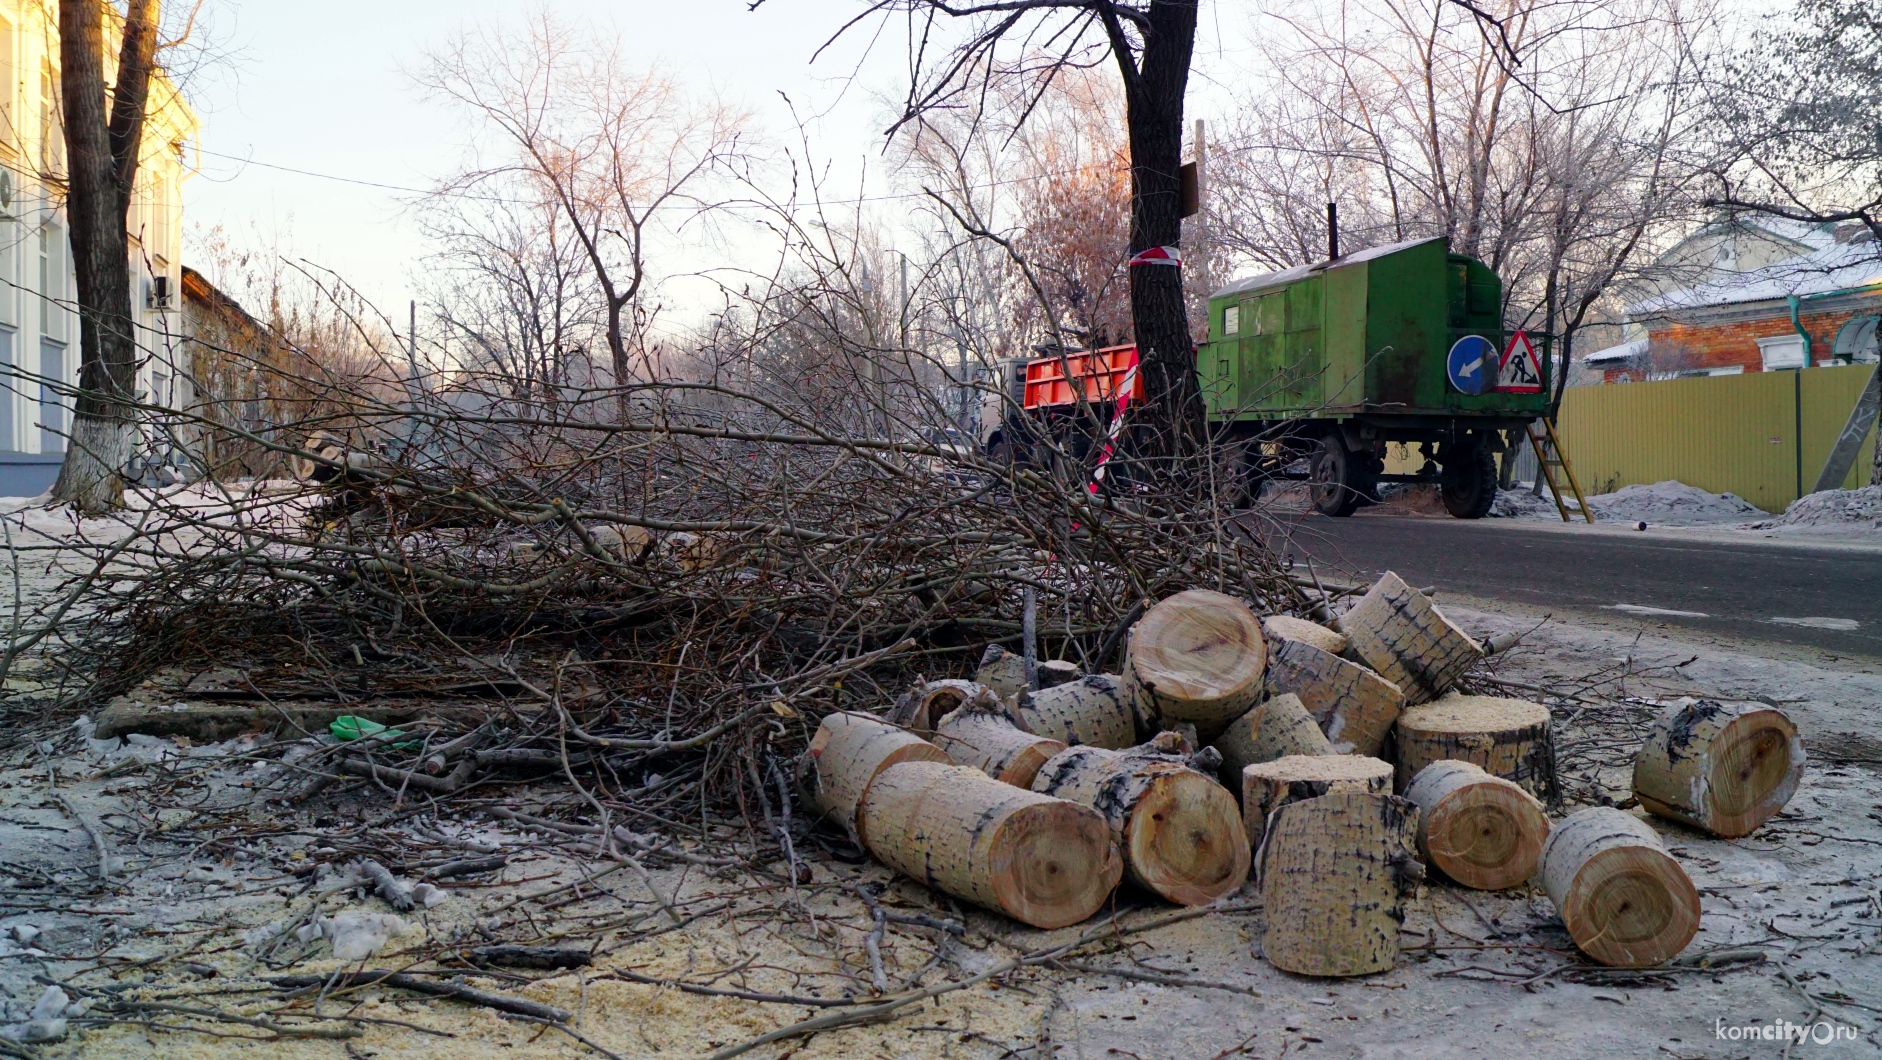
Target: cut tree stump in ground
x,y
1624,899
1725,768
1353,706
848,753
1198,657
1040,860
1506,737
1091,710
1003,671
1180,831
1480,830
920,707
1268,786
981,734
1334,874
1275,729
1287,627
1401,634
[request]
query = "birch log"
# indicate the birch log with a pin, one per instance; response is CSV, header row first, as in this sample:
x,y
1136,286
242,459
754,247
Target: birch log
x,y
922,706
1268,786
1482,831
1003,671
1057,672
848,753
1723,767
1334,874
980,734
1352,705
1626,902
1091,710
1505,737
1275,729
1180,832
1287,627
1042,861
1198,657
1401,634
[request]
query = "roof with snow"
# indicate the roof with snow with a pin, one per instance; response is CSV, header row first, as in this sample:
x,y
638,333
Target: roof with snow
x,y
1622,354
1276,279
1833,269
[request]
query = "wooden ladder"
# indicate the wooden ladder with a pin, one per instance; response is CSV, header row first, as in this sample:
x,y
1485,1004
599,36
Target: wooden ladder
x,y
1549,457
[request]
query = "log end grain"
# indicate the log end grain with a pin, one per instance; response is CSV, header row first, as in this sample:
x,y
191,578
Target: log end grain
x,y
923,706
1726,768
1185,839
1625,901
1508,738
1265,787
1287,627
1197,656
1480,830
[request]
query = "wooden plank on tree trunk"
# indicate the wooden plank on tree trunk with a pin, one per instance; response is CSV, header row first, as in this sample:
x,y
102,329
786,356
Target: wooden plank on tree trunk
x,y
1040,860
1275,729
1091,710
921,706
1267,786
1624,899
1287,627
1334,874
849,751
1198,657
981,734
1723,767
1505,737
1353,706
1480,830
1180,831
1401,634
1003,671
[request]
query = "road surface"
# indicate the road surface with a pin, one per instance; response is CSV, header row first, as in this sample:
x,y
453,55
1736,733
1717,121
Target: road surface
x,y
1814,597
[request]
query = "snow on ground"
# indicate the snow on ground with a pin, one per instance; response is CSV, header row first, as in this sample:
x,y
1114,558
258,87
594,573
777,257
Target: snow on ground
x,y
1855,512
1669,503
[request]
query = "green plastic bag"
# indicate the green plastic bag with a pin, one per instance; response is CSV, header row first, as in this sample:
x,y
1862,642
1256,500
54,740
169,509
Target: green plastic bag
x,y
348,727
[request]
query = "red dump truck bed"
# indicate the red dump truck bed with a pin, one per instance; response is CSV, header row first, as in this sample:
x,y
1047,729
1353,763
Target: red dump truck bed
x,y
1101,372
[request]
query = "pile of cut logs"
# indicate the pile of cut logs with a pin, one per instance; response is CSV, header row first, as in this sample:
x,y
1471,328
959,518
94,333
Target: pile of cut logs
x,y
1337,763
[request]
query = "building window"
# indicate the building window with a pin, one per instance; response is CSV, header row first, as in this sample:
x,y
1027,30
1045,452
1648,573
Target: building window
x,y
9,390
1856,342
51,409
1231,320
1781,352
51,280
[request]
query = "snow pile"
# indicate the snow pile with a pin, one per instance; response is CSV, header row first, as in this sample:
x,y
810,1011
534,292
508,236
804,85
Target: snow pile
x,y
1522,504
1669,503
1859,509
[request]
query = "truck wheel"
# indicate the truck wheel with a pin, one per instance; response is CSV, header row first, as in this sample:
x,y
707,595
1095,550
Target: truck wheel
x,y
1469,483
1335,479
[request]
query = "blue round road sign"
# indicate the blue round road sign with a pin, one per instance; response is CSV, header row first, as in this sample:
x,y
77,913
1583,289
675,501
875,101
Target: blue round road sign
x,y
1472,365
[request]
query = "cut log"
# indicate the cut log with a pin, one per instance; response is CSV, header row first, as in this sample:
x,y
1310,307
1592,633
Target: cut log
x,y
1626,902
1287,627
1197,657
1353,706
1399,632
1505,737
981,734
1276,729
1268,786
848,753
1057,672
1482,831
919,708
1003,671
1040,860
1725,768
1180,832
1091,710
1335,871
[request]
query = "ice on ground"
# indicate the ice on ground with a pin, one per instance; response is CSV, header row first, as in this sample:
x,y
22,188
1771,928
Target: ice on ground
x,y
1669,503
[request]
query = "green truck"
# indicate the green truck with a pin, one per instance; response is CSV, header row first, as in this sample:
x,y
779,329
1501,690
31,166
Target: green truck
x,y
1327,364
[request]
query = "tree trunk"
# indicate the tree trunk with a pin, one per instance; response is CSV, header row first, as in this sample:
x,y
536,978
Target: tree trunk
x,y
1276,729
847,754
1334,874
1268,786
1198,657
1091,710
981,735
1003,671
1624,899
1287,627
1399,632
1508,738
1181,833
1482,831
102,150
1053,672
1353,706
1723,767
1040,860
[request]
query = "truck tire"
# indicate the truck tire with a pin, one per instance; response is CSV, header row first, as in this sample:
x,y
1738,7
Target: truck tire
x,y
1336,480
1469,483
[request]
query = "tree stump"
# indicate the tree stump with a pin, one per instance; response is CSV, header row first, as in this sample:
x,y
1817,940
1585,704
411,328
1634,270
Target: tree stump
x,y
1042,861
1725,768
1401,634
1268,786
1197,657
1091,710
1482,831
1287,627
919,708
981,734
1180,831
1054,672
1626,902
1506,737
1003,671
1275,729
849,751
1335,871
1353,706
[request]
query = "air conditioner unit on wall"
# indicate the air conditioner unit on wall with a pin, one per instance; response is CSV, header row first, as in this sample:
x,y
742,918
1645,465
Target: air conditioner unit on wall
x,y
158,295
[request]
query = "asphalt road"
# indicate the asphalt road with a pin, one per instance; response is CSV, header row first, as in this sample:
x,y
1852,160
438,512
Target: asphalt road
x,y
1821,598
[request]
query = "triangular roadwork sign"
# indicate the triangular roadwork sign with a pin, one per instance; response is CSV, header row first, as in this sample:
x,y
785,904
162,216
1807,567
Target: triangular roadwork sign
x,y
1520,371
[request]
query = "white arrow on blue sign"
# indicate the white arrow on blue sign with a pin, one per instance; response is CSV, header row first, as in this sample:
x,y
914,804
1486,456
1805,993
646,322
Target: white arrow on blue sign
x,y
1472,365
